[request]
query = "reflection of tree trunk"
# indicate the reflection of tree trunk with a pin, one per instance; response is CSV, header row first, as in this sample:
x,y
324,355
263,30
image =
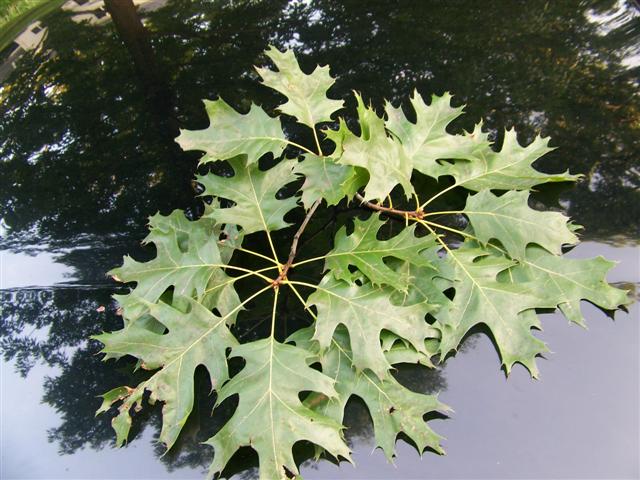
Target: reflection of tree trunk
x,y
154,84
134,35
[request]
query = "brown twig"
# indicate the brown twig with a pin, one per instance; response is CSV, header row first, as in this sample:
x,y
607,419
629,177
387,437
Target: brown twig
x,y
294,245
406,214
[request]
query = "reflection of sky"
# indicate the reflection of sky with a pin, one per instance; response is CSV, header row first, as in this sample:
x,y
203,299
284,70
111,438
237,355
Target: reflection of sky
x,y
620,17
22,270
26,453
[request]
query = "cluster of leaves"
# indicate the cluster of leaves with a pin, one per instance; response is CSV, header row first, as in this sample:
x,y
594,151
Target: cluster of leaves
x,y
381,302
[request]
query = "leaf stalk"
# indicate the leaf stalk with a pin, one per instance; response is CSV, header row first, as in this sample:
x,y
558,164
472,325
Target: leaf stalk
x,y
294,245
406,214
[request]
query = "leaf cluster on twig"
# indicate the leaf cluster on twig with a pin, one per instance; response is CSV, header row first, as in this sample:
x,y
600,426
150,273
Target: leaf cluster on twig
x,y
379,302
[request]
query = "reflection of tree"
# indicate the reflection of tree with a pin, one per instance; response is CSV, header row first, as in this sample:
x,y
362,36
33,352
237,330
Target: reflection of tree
x,y
85,151
44,325
135,36
73,395
53,326
73,168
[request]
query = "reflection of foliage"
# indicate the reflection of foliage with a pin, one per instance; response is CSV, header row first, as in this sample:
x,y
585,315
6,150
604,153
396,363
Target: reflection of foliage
x,y
44,325
64,178
72,395
88,114
51,326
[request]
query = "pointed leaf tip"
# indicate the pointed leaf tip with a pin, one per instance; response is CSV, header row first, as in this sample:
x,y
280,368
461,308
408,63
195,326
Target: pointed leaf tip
x,y
306,93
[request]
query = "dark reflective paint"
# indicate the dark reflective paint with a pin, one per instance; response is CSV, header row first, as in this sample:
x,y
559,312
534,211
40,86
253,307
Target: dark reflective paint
x,y
86,142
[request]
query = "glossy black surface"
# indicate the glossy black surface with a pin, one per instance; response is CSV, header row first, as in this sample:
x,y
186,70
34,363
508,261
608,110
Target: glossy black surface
x,y
86,146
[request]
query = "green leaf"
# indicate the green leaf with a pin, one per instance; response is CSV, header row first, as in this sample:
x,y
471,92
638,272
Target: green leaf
x,y
394,408
510,220
397,350
306,94
254,193
112,396
427,139
230,238
481,299
187,259
337,137
366,311
270,418
230,134
325,179
568,281
509,169
384,158
195,337
426,283
363,250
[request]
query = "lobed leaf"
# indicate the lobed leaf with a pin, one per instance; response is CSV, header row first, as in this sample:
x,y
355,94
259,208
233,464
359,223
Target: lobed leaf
x,y
327,180
427,140
306,93
505,308
398,350
568,281
254,193
231,134
510,220
509,169
426,283
366,311
380,155
195,337
394,408
363,250
270,418
188,259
